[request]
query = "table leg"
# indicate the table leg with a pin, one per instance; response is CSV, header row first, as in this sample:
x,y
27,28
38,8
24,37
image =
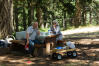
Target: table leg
x,y
48,49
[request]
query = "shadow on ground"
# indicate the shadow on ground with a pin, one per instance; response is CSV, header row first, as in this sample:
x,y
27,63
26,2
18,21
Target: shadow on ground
x,y
87,48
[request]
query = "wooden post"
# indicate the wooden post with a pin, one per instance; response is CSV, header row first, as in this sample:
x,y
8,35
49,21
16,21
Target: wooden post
x,y
48,48
44,52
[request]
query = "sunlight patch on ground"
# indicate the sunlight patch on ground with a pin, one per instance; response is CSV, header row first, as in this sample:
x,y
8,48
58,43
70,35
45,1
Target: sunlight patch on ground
x,y
2,58
13,61
42,63
81,30
80,61
94,50
95,39
97,62
91,54
85,41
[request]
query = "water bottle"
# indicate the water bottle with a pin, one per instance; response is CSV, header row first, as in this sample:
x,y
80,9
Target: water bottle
x,y
49,32
64,47
27,47
31,42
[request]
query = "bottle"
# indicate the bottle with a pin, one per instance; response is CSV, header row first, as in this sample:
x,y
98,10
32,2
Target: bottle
x,y
31,42
49,32
27,47
64,47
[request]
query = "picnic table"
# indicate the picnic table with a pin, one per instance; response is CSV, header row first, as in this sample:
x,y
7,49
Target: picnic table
x,y
49,42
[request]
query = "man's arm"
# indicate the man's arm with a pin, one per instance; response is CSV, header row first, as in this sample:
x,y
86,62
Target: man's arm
x,y
38,32
27,38
52,30
57,30
27,35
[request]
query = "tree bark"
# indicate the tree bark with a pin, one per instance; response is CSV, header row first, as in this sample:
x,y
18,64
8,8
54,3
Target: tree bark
x,y
32,13
39,15
90,17
77,14
24,18
64,21
83,16
6,18
29,12
16,16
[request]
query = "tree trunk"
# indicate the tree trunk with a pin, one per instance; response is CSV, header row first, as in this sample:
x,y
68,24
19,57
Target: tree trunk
x,y
64,21
71,21
77,14
83,17
90,17
16,16
6,18
24,18
29,12
32,13
39,15
97,20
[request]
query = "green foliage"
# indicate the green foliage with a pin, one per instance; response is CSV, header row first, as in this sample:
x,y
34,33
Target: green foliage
x,y
44,29
70,8
53,9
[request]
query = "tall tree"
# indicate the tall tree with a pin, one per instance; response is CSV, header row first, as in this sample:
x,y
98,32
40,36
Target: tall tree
x,y
90,21
64,21
77,14
24,17
39,12
29,12
6,18
16,15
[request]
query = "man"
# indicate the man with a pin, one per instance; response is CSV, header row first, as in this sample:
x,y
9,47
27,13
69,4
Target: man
x,y
55,29
31,34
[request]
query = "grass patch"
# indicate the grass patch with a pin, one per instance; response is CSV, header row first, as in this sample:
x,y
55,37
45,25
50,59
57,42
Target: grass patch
x,y
44,29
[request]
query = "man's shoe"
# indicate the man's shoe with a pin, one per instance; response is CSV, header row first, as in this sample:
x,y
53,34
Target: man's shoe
x,y
29,55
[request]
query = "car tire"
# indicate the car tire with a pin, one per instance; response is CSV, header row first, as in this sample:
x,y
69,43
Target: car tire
x,y
54,55
74,54
69,54
59,56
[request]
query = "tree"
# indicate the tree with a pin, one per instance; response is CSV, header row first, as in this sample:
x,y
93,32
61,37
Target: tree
x,y
69,13
77,14
6,18
29,12
24,17
16,15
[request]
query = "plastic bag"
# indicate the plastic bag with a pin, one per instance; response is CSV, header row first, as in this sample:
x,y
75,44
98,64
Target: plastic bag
x,y
70,44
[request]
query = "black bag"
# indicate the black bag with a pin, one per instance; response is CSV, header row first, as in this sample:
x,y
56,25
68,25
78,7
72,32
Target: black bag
x,y
2,44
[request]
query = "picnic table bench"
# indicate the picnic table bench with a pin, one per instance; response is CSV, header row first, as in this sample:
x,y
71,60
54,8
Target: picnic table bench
x,y
49,42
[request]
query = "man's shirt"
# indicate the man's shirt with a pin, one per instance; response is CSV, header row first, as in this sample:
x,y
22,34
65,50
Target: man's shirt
x,y
32,33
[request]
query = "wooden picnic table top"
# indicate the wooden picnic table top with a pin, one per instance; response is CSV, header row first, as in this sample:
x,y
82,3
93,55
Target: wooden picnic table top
x,y
47,39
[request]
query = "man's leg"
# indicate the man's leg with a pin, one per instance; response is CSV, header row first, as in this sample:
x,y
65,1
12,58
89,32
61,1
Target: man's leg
x,y
37,42
37,52
31,47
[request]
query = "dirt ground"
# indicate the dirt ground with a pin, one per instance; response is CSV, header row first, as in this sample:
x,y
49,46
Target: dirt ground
x,y
87,44
88,55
